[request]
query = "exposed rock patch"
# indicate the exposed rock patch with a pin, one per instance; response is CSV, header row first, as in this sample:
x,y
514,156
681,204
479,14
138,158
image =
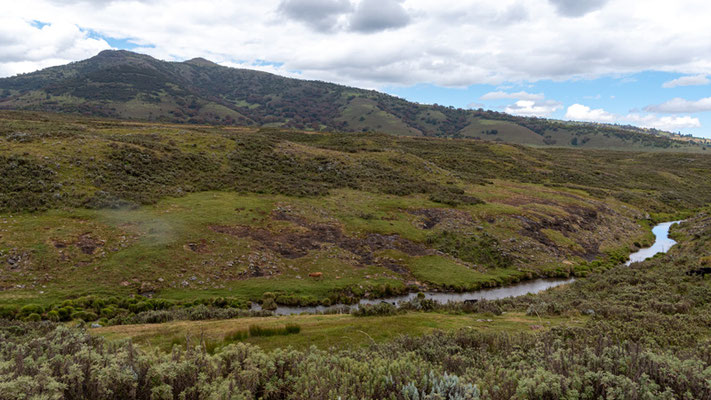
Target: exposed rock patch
x,y
197,247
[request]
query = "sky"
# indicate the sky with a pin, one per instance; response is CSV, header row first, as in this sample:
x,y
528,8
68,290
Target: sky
x,y
646,63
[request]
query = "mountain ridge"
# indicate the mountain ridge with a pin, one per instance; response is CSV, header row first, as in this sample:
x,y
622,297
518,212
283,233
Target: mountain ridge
x,y
128,85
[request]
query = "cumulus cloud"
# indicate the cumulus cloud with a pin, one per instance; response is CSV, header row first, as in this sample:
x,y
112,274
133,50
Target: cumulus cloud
x,y
522,95
577,8
321,15
27,45
378,15
533,108
446,43
579,112
678,105
449,42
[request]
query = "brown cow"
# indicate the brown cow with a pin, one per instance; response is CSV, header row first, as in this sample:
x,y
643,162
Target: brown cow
x,y
316,274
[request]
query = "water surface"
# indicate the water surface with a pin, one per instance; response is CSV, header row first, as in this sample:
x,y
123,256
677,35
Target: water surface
x,y
662,243
520,289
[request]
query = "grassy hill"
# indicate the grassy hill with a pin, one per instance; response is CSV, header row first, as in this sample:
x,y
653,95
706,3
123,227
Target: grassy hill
x,y
185,212
128,85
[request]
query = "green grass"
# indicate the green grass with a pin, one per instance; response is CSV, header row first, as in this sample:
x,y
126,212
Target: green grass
x,y
326,331
448,273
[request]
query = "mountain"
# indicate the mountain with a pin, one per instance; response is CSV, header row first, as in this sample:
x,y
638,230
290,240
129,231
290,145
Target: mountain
x,y
127,85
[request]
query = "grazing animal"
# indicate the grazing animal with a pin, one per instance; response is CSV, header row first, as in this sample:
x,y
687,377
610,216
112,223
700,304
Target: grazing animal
x,y
699,271
471,301
316,274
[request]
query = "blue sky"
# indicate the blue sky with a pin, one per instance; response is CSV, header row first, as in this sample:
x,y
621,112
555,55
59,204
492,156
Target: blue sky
x,y
619,95
617,61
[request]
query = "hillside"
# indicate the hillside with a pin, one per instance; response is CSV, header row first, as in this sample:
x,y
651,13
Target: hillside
x,y
186,212
128,85
130,250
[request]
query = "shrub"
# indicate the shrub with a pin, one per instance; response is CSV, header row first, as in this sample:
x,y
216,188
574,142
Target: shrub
x,y
53,316
31,309
86,316
8,311
33,317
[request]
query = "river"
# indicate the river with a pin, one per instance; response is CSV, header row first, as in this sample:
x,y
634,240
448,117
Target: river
x,y
662,244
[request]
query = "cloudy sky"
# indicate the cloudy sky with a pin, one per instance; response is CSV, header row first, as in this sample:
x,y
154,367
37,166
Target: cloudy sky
x,y
646,63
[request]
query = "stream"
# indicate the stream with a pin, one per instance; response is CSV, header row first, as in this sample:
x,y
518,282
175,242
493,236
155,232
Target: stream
x,y
662,244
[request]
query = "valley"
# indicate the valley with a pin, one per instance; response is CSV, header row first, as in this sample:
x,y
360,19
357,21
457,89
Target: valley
x,y
164,246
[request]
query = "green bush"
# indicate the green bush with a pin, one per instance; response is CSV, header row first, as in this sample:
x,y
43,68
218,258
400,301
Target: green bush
x,y
31,309
33,317
8,311
86,316
53,316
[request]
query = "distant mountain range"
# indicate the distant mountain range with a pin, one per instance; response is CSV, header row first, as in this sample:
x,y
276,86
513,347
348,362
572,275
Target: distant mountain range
x,y
127,85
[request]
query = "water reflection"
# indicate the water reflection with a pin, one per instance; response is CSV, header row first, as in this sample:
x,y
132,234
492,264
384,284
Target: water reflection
x,y
662,243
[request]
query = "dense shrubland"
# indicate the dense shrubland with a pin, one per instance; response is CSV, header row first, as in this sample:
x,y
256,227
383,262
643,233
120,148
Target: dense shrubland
x,y
646,338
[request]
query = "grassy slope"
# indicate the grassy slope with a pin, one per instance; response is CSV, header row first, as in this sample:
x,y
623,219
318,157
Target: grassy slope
x,y
548,211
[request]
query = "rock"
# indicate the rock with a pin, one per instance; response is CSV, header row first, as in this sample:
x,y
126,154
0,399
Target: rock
x,y
147,287
95,325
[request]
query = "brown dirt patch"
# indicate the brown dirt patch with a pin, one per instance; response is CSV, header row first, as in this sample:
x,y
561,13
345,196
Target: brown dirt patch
x,y
312,236
579,219
431,217
88,244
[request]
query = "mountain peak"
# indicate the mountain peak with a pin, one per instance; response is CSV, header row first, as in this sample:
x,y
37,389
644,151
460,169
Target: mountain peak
x,y
124,84
201,62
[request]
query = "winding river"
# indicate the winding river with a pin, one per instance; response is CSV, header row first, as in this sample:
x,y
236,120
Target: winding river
x,y
662,244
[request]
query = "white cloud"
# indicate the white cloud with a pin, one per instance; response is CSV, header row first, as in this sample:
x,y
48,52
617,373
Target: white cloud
x,y
691,80
667,123
522,95
532,108
679,105
579,112
448,42
27,46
